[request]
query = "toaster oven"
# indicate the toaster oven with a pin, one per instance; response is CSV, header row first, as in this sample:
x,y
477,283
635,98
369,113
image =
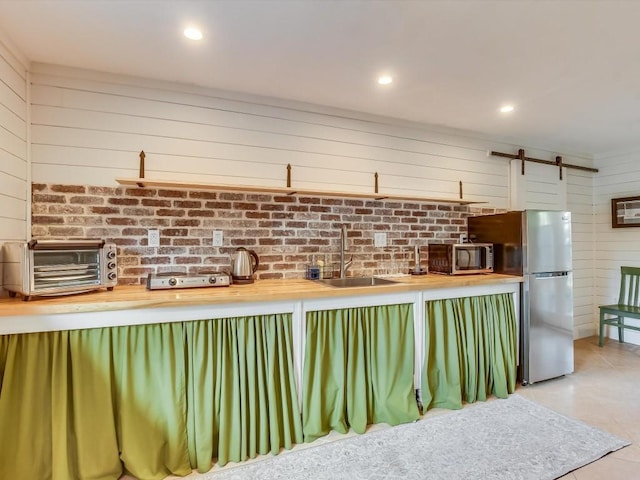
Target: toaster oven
x,y
460,258
58,267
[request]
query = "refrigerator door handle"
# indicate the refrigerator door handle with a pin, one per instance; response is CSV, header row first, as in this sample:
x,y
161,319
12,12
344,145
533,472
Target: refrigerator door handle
x,y
542,276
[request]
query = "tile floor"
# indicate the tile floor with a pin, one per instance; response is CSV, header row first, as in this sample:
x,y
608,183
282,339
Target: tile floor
x,y
604,391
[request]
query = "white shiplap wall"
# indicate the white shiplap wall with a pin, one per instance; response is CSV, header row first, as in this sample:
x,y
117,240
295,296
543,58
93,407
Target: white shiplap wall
x,y
619,177
13,148
89,128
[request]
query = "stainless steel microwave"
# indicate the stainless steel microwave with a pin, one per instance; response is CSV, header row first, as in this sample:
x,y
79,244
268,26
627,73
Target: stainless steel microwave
x,y
58,267
460,258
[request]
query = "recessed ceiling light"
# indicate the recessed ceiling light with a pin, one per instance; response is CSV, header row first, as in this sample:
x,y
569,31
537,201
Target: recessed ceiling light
x,y
507,108
385,80
193,33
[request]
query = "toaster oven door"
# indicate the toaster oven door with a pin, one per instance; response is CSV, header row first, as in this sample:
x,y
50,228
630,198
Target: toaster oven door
x,y
60,270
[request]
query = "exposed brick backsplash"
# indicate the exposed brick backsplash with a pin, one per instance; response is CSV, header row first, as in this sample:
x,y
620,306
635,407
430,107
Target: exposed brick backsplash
x,y
285,231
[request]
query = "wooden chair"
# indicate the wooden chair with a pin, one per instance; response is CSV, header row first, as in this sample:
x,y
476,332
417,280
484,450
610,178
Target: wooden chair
x,y
628,305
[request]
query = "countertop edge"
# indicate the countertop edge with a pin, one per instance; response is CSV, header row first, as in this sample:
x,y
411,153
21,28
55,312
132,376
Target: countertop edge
x,y
138,297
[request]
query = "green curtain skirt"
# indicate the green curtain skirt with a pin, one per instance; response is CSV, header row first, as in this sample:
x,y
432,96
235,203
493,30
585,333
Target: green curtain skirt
x,y
358,369
163,399
470,350
152,400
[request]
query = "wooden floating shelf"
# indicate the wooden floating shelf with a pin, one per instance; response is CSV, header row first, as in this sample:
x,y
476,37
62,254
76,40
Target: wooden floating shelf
x,y
145,182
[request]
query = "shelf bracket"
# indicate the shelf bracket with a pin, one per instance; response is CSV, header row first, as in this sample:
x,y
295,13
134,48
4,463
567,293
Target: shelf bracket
x,y
375,186
521,157
292,192
141,174
460,184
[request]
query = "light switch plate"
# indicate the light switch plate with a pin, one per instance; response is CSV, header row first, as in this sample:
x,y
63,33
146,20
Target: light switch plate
x,y
217,238
153,237
380,239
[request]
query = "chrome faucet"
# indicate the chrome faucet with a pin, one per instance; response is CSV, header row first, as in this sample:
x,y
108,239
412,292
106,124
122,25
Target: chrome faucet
x,y
344,246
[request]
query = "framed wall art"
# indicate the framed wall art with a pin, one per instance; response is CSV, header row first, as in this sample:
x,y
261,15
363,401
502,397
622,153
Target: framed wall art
x,y
625,212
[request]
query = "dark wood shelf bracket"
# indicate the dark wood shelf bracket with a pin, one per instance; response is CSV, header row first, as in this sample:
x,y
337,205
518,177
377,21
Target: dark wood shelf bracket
x,y
375,186
141,175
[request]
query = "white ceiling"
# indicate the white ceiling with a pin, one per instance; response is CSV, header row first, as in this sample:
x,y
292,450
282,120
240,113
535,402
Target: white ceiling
x,y
572,68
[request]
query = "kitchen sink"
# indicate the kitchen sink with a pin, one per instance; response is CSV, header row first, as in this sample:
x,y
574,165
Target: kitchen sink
x,y
356,282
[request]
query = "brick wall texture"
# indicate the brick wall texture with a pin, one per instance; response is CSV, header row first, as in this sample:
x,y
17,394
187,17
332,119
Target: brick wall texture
x,y
287,232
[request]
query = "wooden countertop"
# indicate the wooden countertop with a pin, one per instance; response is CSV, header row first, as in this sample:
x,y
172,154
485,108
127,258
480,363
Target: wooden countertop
x,y
138,297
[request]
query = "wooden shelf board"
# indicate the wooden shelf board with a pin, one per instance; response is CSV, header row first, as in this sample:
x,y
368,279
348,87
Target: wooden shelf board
x,y
145,182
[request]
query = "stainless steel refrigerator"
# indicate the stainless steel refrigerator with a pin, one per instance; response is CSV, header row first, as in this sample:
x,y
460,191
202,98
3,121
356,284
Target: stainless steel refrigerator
x,y
537,245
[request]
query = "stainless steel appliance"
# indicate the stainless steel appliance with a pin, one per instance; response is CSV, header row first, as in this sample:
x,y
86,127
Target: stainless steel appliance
x,y
58,267
460,258
417,268
244,264
537,245
169,280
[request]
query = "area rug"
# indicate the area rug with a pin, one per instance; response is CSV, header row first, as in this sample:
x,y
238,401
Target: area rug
x,y
500,439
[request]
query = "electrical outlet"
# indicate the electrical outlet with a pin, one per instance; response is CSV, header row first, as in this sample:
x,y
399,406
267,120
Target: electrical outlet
x,y
153,237
463,238
380,239
217,238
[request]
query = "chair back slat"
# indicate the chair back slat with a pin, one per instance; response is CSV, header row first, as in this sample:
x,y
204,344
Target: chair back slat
x,y
629,286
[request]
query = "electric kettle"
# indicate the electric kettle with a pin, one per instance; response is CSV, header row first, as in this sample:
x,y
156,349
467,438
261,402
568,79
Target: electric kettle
x,y
244,263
